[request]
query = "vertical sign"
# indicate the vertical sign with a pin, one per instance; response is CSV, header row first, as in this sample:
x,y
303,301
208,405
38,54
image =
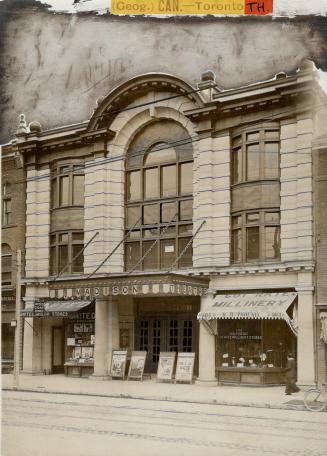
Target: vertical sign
x,y
136,367
166,366
185,367
118,363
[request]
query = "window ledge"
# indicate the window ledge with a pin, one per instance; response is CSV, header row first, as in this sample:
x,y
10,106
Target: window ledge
x,y
67,207
11,225
256,181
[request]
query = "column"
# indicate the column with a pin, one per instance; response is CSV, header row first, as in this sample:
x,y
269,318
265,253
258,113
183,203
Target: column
x,y
207,349
305,339
101,339
113,328
32,363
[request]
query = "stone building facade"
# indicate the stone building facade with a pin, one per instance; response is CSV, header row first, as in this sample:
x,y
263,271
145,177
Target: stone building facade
x,y
164,206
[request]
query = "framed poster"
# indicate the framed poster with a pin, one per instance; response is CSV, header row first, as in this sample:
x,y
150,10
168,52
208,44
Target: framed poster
x,y
118,363
87,352
185,367
88,327
78,327
166,366
77,352
124,338
136,367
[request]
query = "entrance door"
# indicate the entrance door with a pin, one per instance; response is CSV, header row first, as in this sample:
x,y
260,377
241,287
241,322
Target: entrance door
x,y
57,350
165,334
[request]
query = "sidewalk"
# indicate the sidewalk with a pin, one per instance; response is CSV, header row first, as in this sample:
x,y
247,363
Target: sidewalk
x,y
150,389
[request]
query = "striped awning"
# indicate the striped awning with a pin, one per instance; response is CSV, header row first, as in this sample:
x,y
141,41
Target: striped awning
x,y
54,308
271,306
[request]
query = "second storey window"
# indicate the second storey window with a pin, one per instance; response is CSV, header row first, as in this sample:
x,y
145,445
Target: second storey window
x,y
255,153
255,236
6,205
159,199
67,185
64,247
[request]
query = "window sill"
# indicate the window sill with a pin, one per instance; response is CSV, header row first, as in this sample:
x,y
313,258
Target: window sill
x,y
11,225
256,181
257,263
67,207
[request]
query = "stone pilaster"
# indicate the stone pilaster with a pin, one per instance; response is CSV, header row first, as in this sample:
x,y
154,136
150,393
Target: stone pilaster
x,y
207,350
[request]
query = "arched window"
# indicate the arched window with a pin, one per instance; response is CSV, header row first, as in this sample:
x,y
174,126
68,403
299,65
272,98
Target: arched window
x,y
159,197
6,265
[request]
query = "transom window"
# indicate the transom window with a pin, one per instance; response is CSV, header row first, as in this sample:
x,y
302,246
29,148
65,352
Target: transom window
x,y
64,246
256,236
67,185
255,153
6,204
159,202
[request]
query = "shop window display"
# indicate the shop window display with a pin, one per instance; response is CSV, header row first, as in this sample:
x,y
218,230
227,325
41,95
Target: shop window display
x,y
79,353
253,343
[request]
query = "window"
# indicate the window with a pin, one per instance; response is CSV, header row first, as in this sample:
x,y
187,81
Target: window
x,y
6,205
255,153
67,185
256,236
159,201
6,265
64,247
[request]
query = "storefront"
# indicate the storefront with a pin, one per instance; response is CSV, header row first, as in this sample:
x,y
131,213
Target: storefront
x,y
253,333
71,324
88,319
8,302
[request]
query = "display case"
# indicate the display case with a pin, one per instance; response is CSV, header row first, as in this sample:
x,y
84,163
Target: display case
x,y
79,356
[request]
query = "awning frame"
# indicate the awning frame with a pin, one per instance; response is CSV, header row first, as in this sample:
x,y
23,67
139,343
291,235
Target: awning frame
x,y
264,306
42,308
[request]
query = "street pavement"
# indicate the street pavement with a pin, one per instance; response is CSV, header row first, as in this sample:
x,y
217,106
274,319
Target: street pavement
x,y
45,424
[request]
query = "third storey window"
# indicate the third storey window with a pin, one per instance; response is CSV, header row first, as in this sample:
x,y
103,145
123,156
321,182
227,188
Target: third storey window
x,y
255,154
67,185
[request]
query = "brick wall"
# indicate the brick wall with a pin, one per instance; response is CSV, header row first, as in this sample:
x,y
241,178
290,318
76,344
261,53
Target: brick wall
x,y
14,234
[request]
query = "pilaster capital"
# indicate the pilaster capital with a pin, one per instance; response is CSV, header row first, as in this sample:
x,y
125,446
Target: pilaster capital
x,y
304,289
211,292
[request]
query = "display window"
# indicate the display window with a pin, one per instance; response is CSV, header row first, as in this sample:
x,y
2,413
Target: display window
x,y
80,341
253,343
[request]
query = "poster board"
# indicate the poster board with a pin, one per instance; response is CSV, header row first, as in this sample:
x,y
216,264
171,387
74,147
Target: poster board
x,y
137,364
118,363
166,366
185,367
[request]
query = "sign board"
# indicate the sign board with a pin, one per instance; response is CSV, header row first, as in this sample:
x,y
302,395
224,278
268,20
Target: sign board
x,y
118,363
39,309
136,367
162,285
185,367
166,365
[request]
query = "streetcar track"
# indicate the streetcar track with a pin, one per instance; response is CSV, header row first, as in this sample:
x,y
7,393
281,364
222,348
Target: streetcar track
x,y
159,418
178,412
165,439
